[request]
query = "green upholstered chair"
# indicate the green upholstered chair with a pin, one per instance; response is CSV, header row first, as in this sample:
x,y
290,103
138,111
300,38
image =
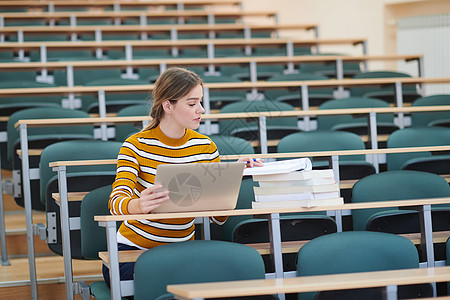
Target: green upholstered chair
x,y
293,96
219,98
93,237
421,161
194,262
328,68
12,105
39,138
350,166
84,76
447,253
356,124
125,130
359,251
114,102
294,227
248,129
384,92
399,185
79,179
434,118
231,145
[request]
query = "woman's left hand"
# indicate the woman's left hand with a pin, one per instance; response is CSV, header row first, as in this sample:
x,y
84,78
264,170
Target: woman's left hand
x,y
251,162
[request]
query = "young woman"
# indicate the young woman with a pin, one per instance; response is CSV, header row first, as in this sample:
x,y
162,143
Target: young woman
x,y
170,138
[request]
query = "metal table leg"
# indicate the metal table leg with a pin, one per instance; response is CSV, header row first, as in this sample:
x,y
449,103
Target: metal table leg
x,y
65,230
28,209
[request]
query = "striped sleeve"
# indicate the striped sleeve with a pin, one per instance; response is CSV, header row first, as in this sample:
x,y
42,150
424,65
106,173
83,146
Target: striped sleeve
x,y
126,179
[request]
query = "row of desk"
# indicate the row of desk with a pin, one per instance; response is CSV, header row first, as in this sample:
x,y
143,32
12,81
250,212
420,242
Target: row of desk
x,y
143,31
388,279
22,125
61,167
118,17
116,5
174,45
253,89
211,63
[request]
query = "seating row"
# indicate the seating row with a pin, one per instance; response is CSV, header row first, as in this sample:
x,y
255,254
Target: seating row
x,y
41,51
131,17
388,179
144,32
115,5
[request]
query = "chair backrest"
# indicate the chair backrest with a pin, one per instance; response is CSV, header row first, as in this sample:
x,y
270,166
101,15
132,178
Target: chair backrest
x,y
248,129
447,255
350,166
39,138
194,262
355,251
322,141
328,68
51,132
93,237
386,92
293,95
79,179
416,137
125,130
394,185
76,150
430,118
220,98
231,145
114,102
352,123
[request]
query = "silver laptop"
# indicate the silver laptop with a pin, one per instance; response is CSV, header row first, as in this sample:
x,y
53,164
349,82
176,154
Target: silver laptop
x,y
200,186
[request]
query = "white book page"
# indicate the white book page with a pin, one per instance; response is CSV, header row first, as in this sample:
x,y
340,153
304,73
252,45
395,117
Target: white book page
x,y
278,167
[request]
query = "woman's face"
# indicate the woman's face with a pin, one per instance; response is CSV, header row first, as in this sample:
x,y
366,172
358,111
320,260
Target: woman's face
x,y
187,111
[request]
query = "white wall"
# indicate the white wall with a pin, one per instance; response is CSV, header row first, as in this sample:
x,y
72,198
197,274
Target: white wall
x,y
336,19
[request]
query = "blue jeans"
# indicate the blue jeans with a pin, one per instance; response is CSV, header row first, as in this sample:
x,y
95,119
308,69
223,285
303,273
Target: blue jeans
x,y
126,269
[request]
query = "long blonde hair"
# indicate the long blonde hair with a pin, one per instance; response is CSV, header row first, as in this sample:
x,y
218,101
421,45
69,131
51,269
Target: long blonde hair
x,y
172,84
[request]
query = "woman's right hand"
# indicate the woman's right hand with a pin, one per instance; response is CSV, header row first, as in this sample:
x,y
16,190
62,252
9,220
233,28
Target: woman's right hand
x,y
151,198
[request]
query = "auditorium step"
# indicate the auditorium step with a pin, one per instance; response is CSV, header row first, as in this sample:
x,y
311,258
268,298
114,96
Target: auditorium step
x,y
15,279
16,235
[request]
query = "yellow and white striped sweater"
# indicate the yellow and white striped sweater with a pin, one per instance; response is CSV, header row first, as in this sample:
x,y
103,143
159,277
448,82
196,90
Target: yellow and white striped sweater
x,y
139,156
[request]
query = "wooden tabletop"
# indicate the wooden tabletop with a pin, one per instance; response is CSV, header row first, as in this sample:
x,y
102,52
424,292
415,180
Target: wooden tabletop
x,y
136,14
244,212
109,3
154,28
62,90
52,65
179,43
244,115
310,283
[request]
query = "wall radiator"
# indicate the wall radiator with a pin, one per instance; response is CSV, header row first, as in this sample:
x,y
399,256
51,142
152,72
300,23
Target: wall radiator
x,y
428,35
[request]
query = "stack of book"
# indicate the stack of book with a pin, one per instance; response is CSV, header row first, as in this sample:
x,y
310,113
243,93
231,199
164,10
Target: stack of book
x,y
305,188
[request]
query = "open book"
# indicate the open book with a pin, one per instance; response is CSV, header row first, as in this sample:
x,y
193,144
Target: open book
x,y
279,167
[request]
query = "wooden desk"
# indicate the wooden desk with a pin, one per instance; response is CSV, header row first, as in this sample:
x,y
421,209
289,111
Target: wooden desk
x,y
118,16
207,44
273,215
128,65
33,5
304,86
311,283
21,32
60,166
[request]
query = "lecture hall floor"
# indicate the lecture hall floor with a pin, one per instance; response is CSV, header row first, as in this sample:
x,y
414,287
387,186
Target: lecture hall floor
x,y
15,279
